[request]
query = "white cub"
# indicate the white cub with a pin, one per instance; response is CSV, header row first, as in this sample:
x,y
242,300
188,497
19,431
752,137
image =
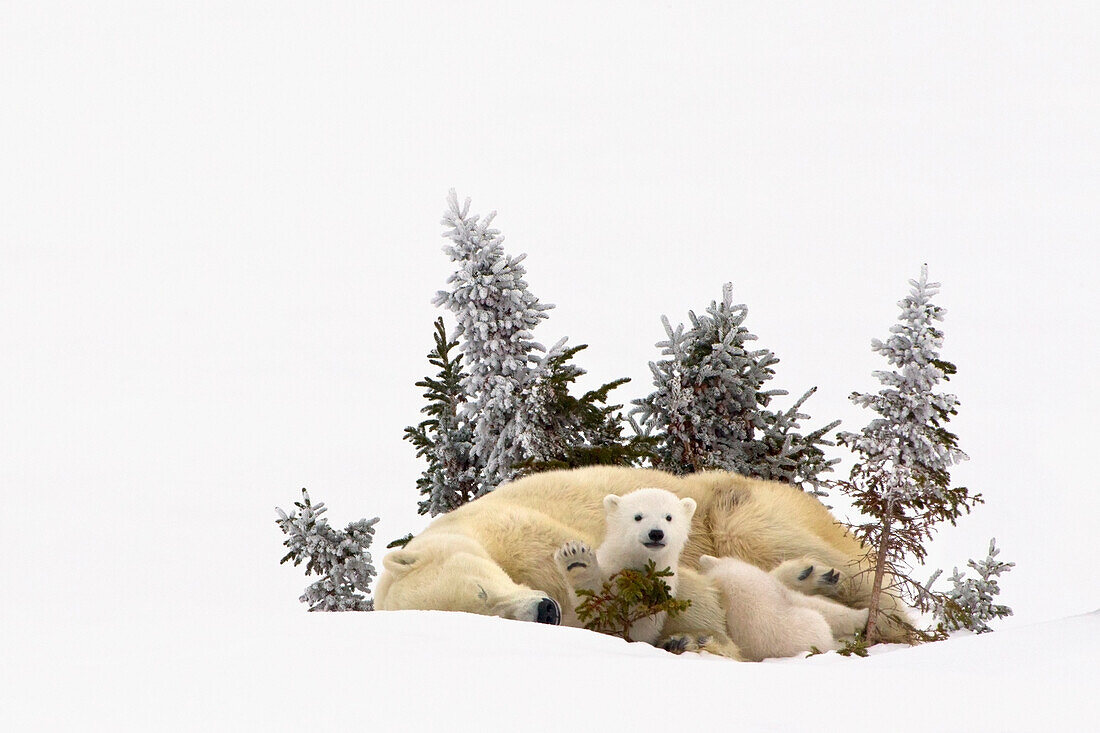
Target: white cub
x,y
767,619
644,525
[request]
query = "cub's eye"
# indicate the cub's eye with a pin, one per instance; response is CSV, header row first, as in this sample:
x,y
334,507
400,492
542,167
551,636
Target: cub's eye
x,y
668,517
637,517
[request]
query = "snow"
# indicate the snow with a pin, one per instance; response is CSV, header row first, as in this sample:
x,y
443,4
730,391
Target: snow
x,y
430,671
219,241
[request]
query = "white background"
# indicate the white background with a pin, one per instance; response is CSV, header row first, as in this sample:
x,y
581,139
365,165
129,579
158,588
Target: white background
x,y
219,228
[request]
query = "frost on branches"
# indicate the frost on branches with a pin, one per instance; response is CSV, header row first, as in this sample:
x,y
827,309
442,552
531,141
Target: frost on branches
x,y
901,479
709,409
565,431
968,604
445,439
341,558
516,402
496,314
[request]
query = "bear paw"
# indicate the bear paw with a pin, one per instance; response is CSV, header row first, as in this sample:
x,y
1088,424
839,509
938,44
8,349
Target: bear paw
x,y
577,561
680,643
806,576
710,643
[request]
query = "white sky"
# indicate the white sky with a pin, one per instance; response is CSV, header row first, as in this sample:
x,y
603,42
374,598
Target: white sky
x,y
219,227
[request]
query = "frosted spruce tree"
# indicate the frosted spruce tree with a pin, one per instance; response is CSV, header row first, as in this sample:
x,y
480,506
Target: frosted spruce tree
x,y
710,407
569,432
341,558
496,315
900,481
517,400
445,439
968,603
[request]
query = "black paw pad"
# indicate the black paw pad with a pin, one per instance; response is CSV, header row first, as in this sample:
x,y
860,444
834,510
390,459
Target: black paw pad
x,y
676,645
832,577
577,564
806,573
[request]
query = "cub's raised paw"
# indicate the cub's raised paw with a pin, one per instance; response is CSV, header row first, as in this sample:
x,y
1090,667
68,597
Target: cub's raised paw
x,y
809,577
575,557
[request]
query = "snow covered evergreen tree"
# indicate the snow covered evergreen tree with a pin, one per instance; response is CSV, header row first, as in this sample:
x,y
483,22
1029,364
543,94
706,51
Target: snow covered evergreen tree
x,y
517,402
900,480
570,432
709,409
341,558
784,454
445,438
496,314
968,604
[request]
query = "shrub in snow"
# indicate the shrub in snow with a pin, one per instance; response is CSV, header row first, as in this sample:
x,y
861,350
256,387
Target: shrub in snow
x,y
900,480
968,604
627,597
341,558
445,439
710,408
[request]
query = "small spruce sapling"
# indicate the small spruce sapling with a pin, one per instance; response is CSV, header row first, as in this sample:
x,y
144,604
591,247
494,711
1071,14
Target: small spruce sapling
x,y
445,439
627,597
341,558
900,480
968,604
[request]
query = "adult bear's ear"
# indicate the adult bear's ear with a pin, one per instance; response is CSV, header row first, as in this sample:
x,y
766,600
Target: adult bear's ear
x,y
706,562
400,562
611,503
689,507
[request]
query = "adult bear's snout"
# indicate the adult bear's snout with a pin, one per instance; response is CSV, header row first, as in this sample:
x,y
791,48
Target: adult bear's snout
x,y
548,612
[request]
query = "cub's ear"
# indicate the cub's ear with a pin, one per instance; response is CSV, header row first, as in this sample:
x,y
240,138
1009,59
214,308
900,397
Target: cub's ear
x,y
706,562
689,507
400,562
611,503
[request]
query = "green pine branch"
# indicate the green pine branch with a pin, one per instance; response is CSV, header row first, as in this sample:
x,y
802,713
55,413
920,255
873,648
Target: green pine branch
x,y
627,597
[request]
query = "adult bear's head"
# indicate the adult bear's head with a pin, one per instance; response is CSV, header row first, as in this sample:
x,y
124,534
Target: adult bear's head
x,y
444,572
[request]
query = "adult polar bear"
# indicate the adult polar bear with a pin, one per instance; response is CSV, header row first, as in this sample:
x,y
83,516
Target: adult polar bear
x,y
494,556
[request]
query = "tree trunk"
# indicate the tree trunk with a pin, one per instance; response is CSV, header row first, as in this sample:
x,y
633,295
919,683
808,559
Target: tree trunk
x,y
871,634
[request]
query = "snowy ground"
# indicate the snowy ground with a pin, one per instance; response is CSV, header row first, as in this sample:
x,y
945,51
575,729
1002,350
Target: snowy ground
x,y
431,671
219,242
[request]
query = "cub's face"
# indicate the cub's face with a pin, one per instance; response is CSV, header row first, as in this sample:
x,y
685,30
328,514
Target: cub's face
x,y
651,521
450,578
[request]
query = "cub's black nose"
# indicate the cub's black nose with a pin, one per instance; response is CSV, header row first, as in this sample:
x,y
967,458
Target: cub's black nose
x,y
548,612
656,535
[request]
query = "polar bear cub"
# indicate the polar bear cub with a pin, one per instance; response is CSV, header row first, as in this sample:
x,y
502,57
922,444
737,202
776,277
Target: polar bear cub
x,y
767,619
646,524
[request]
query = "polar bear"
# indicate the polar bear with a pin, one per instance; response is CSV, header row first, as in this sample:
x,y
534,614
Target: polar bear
x,y
767,619
646,525
495,554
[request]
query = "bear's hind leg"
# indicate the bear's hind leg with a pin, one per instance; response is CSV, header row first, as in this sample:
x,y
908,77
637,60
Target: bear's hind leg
x,y
844,622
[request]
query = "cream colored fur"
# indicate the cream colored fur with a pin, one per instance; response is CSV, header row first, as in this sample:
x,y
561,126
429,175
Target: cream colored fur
x,y
502,546
767,619
631,520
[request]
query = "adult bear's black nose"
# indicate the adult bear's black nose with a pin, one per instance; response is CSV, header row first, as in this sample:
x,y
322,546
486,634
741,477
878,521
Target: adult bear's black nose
x,y
548,612
656,535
